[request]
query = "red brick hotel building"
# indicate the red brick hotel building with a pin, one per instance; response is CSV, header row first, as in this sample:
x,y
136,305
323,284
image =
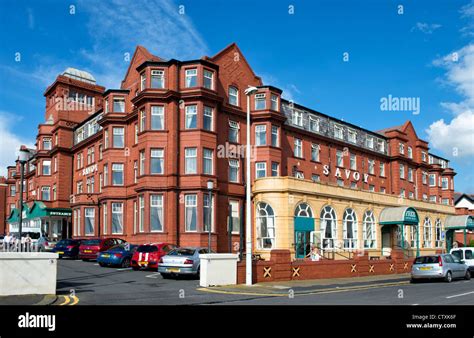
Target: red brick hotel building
x,y
134,162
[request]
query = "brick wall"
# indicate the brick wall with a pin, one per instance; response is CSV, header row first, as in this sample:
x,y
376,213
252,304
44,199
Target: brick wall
x,y
281,268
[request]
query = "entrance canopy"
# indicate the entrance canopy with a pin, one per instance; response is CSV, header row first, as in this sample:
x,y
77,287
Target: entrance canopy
x,y
38,210
459,222
399,215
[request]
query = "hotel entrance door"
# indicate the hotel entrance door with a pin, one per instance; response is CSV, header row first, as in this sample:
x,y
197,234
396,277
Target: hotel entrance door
x,y
303,228
387,240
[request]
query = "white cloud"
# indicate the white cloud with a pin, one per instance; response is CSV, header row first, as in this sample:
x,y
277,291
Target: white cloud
x,y
117,27
426,28
10,141
457,134
467,12
290,91
455,137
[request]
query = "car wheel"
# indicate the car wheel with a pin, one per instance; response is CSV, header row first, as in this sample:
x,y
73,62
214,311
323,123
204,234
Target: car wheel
x,y
102,264
449,277
413,281
134,268
166,275
125,263
85,260
467,276
198,274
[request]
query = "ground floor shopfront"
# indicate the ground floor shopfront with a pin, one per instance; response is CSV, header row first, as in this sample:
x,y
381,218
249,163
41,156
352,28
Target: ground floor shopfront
x,y
316,220
54,223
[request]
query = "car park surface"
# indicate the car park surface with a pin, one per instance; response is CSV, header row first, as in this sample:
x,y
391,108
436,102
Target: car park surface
x,y
94,285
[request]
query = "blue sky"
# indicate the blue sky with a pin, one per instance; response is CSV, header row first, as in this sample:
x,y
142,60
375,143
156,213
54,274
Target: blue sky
x,y
403,55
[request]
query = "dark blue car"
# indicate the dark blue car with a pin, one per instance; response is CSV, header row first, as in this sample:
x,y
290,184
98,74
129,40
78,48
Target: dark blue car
x,y
119,255
67,248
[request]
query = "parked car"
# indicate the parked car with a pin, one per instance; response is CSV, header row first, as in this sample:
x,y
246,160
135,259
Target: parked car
x,y
91,247
67,248
182,261
444,266
147,256
465,254
45,243
119,255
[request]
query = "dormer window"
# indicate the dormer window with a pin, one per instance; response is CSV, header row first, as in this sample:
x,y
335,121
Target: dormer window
x,y
260,103
313,124
352,135
274,102
381,145
119,105
208,79
298,118
338,132
369,142
191,78
157,79
233,96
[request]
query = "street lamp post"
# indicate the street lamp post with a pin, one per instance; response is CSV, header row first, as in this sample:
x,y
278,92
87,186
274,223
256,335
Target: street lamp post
x,y
248,227
210,186
22,158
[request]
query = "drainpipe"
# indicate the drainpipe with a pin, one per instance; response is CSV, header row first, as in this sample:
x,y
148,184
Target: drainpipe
x,y
178,207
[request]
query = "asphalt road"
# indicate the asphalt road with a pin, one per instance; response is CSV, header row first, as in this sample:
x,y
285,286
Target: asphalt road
x,y
95,285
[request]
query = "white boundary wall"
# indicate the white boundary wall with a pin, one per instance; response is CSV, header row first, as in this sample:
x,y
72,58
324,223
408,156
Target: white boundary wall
x,y
28,273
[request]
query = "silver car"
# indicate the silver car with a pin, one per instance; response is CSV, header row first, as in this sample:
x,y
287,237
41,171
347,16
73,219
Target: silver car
x,y
444,266
181,261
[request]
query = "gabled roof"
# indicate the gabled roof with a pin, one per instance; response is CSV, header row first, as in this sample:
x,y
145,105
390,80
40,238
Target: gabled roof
x,y
146,54
459,196
229,48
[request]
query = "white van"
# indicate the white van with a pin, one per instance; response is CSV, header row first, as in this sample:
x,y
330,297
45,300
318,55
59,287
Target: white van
x,y
467,255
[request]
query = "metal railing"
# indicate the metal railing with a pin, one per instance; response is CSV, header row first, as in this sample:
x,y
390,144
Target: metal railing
x,y
17,246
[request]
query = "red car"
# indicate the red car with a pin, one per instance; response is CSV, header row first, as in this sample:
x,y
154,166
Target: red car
x,y
147,256
90,247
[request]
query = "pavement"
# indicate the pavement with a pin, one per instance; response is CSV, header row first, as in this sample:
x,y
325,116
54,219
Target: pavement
x,y
312,286
86,283
28,300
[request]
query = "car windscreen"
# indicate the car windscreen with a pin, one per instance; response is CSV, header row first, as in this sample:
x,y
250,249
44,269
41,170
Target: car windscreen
x,y
426,260
182,252
147,248
91,242
457,254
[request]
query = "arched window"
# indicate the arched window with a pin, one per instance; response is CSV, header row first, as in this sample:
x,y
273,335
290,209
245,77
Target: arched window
x,y
413,235
369,230
349,228
328,227
303,210
439,241
265,226
427,233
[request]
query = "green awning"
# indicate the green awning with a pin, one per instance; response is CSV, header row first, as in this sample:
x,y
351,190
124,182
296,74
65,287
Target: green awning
x,y
399,215
38,210
459,222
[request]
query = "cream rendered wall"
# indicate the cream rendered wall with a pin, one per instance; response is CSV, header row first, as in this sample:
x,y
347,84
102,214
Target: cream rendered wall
x,y
285,193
